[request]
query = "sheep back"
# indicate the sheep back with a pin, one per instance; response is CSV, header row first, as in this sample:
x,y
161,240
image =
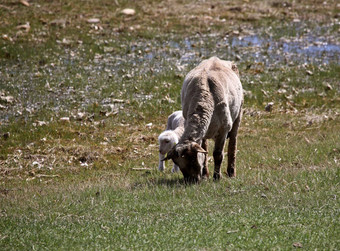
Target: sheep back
x,y
212,97
175,120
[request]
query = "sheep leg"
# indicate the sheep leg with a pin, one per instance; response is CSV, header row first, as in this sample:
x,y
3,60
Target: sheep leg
x,y
232,147
205,172
175,169
218,156
161,164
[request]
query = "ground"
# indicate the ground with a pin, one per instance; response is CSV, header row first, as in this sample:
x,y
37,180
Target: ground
x,y
85,91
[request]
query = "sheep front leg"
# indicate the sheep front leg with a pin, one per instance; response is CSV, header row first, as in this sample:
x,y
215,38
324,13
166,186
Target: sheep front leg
x,y
231,169
218,156
175,169
161,164
232,147
205,172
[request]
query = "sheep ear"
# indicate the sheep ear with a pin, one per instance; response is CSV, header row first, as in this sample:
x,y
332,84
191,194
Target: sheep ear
x,y
202,151
199,149
181,151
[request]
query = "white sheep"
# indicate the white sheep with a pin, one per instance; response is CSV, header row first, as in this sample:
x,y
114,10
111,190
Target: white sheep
x,y
212,99
170,137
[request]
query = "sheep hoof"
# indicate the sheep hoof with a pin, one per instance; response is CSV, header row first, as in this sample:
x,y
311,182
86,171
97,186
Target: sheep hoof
x,y
175,169
231,172
217,176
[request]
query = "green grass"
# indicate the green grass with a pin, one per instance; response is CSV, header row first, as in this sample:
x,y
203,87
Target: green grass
x,y
261,209
81,184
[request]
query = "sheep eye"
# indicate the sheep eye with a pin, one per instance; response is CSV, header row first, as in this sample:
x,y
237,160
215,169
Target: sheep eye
x,y
166,141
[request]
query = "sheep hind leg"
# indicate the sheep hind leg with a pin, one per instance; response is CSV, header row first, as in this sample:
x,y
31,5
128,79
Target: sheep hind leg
x,y
205,172
232,148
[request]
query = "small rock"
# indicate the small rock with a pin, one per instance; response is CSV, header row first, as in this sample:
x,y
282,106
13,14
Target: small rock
x,y
310,73
115,100
127,76
297,245
65,119
23,2
59,22
38,74
281,91
80,116
322,94
6,135
26,27
93,20
128,12
6,37
108,49
238,58
269,107
66,41
7,99
149,125
84,164
48,87
328,87
41,123
36,164
265,93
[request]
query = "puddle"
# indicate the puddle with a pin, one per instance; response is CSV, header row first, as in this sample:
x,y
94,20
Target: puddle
x,y
157,56
245,41
308,48
302,46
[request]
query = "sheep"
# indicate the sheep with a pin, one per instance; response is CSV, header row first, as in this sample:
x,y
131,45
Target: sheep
x,y
212,99
170,137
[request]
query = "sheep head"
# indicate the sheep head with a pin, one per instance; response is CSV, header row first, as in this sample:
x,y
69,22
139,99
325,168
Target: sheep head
x,y
167,140
190,157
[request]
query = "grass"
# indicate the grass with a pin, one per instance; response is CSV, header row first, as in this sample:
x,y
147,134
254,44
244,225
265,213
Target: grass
x,y
92,182
266,209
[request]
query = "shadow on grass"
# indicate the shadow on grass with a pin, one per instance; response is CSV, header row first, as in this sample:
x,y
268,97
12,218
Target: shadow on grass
x,y
171,182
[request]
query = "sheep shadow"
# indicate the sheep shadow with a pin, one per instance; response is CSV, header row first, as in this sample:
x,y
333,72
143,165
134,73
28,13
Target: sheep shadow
x,y
155,178
173,182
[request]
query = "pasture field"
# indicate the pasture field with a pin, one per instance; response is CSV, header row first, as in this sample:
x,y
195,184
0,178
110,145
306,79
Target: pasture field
x,y
86,88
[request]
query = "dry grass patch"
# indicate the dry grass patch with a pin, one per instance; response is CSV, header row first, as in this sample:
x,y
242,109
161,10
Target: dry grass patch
x,y
68,21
